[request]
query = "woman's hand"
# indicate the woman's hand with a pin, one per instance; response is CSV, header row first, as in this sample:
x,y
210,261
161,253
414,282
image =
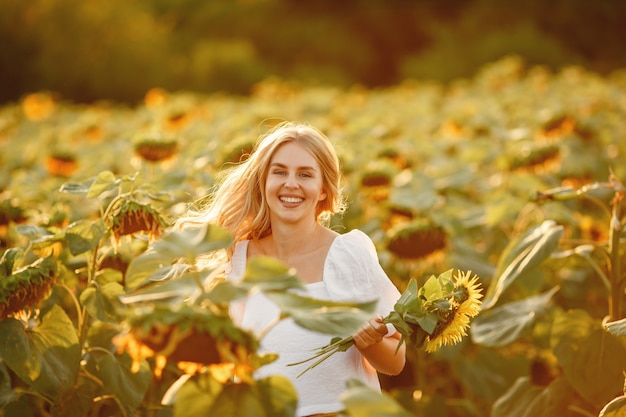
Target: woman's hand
x,y
380,351
370,334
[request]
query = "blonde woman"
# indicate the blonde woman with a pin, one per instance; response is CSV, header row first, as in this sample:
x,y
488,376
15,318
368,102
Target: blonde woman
x,y
277,203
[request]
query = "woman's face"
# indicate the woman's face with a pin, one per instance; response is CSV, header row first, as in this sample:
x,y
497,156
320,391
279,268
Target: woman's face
x,y
294,184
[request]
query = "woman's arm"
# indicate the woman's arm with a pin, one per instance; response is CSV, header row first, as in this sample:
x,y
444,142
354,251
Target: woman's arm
x,y
381,352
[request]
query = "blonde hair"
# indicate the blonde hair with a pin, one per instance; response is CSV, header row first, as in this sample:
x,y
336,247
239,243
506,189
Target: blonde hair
x,y
237,202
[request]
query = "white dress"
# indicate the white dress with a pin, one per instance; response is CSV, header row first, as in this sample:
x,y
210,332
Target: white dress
x,y
351,273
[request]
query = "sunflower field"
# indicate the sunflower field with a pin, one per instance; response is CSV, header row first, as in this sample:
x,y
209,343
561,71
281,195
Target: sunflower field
x,y
515,174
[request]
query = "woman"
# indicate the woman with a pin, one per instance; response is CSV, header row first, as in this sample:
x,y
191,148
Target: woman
x,y
277,203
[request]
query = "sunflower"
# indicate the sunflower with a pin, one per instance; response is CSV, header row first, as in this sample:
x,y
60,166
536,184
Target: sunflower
x,y
464,306
436,314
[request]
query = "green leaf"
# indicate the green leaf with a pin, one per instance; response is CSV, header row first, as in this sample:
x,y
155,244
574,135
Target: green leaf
x,y
79,400
277,395
10,259
202,396
118,379
269,274
616,408
427,322
47,357
80,188
526,400
418,194
437,289
84,235
505,324
102,301
225,292
32,231
522,256
488,373
145,266
105,181
408,300
189,244
22,406
327,317
196,396
362,401
179,288
592,359
6,393
617,328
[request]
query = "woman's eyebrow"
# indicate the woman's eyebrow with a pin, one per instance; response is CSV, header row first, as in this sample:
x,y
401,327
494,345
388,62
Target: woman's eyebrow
x,y
279,165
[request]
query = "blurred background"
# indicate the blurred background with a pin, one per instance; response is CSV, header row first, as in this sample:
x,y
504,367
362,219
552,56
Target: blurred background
x,y
116,50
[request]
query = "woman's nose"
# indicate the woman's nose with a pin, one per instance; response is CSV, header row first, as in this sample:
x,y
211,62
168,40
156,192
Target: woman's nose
x,y
291,181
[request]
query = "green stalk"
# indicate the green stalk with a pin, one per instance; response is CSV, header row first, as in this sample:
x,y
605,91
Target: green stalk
x,y
615,302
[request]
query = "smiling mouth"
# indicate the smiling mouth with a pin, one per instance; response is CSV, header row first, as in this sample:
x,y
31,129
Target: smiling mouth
x,y
291,199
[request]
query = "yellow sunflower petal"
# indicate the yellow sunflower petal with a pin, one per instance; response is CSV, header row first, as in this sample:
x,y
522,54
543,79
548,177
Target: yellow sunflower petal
x,y
455,329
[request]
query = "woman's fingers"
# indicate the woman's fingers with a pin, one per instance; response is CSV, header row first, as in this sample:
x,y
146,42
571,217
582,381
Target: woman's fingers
x,y
371,333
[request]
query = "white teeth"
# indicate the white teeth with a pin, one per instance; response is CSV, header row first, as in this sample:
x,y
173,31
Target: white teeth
x,y
290,199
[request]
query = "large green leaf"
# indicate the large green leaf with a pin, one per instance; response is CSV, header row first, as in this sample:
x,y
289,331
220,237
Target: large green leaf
x,y
225,292
145,268
128,387
616,408
203,396
83,235
328,317
22,406
105,181
46,357
191,243
592,359
505,324
269,274
362,401
617,328
524,399
102,301
418,193
6,393
521,257
188,287
79,400
80,188
488,373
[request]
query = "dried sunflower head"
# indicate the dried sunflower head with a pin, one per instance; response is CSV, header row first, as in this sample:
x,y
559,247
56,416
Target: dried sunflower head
x,y
24,288
155,151
11,212
416,239
131,217
189,334
536,157
61,164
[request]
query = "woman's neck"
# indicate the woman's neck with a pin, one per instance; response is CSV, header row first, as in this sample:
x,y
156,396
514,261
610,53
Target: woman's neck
x,y
287,241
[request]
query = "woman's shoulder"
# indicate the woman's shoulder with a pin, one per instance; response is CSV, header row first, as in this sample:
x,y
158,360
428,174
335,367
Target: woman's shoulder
x,y
355,242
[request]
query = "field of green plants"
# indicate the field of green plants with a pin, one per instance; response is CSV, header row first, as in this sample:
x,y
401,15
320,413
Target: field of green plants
x,y
515,174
